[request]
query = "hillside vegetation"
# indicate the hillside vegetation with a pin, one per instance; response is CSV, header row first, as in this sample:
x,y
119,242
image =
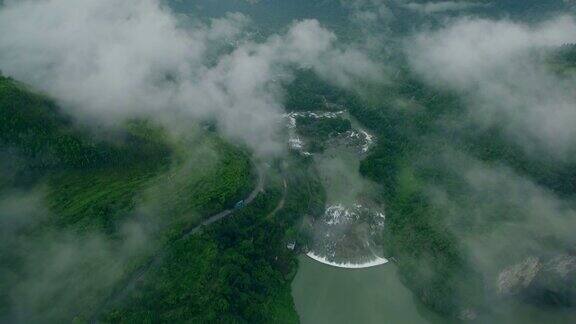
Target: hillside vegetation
x,y
102,205
238,270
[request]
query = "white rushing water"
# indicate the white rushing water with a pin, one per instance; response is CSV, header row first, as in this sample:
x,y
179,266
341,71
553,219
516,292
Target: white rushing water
x,y
335,236
357,137
345,233
366,140
348,265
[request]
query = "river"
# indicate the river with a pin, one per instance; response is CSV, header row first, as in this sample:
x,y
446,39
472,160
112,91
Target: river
x,y
329,294
325,294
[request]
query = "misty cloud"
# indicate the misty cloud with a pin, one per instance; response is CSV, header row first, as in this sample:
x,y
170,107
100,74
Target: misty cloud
x,y
19,209
373,18
115,59
56,274
500,69
71,272
53,271
369,11
501,218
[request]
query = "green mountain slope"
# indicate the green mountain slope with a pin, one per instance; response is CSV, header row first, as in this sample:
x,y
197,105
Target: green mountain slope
x,y
103,205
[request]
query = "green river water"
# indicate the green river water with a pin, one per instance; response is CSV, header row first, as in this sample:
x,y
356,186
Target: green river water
x,y
325,294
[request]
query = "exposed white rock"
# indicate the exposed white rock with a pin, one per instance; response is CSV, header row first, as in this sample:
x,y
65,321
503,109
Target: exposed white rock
x,y
516,277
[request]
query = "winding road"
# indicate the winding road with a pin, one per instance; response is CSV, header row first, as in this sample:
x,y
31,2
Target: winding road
x,y
214,218
137,276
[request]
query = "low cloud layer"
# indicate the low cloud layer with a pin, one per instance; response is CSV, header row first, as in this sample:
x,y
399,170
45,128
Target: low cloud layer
x,y
501,218
368,11
501,215
53,275
116,59
501,212
500,68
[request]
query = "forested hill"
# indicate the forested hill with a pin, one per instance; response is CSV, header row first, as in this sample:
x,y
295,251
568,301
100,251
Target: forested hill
x,y
99,207
42,138
80,216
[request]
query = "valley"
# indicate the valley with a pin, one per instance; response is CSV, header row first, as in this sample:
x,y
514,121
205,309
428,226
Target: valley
x,y
270,161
